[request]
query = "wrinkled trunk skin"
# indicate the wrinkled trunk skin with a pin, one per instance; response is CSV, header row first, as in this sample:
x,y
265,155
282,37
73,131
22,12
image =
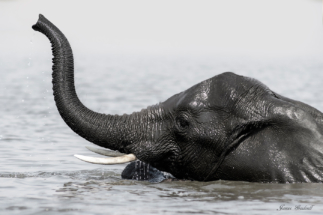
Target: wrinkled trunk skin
x,y
109,131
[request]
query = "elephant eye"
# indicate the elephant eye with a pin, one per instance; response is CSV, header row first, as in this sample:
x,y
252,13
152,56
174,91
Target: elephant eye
x,y
182,122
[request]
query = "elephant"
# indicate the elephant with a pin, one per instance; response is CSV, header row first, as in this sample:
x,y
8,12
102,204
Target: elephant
x,y
228,127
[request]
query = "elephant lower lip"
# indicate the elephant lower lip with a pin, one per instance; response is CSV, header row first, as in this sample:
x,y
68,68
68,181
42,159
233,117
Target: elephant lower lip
x,y
142,171
166,165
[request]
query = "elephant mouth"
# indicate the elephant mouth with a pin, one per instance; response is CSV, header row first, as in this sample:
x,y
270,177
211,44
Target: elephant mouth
x,y
114,157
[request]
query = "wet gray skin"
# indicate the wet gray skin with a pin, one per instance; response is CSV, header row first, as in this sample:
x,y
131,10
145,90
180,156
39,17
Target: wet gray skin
x,y
227,127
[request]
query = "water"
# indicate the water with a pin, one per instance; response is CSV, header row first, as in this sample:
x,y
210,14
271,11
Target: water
x,y
39,175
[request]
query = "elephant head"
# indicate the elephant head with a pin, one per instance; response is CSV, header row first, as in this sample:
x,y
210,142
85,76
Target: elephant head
x,y
227,127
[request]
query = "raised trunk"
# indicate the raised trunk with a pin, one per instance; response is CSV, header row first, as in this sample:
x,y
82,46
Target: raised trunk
x,y
110,131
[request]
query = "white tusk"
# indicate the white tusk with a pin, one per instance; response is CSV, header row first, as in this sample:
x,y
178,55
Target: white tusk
x,y
108,161
105,152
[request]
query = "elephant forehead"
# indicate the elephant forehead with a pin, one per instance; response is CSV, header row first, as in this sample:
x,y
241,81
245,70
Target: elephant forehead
x,y
201,95
231,89
194,97
215,91
219,91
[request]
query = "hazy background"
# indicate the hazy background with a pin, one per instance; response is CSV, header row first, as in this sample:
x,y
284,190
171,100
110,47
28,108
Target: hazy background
x,y
193,36
232,27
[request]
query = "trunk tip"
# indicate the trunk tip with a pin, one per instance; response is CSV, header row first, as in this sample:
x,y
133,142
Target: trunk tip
x,y
41,19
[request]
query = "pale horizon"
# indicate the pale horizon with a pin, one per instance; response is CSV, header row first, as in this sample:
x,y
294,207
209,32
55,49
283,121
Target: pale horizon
x,y
251,28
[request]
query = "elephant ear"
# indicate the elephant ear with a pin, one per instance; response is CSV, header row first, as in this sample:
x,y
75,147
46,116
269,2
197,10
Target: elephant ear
x,y
241,136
